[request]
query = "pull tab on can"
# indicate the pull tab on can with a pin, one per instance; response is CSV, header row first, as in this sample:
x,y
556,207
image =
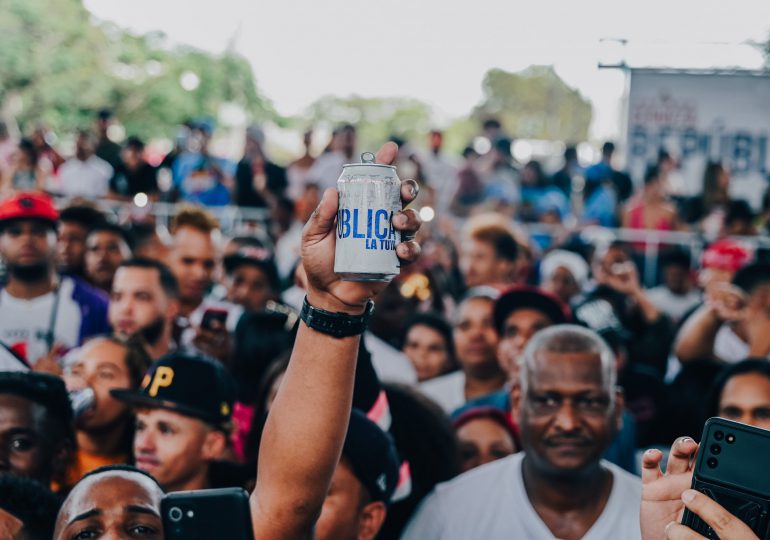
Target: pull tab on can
x,y
367,157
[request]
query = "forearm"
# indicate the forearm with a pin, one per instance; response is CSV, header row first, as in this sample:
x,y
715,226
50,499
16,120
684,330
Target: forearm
x,y
696,338
646,307
305,432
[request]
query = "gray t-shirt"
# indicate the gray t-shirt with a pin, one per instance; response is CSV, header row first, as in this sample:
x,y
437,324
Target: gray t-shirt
x,y
491,502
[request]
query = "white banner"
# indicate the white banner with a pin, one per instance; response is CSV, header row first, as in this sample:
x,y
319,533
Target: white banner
x,y
700,117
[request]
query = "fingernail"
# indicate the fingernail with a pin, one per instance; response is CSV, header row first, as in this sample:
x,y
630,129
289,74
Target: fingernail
x,y
689,495
649,451
685,440
400,219
413,190
669,526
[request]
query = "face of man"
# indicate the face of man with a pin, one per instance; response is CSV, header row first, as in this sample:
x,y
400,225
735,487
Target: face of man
x,y
474,334
746,399
517,330
562,284
105,250
138,303
25,446
28,247
567,417
101,365
677,279
483,441
132,158
426,350
248,286
84,146
193,260
71,250
116,505
481,265
345,514
174,448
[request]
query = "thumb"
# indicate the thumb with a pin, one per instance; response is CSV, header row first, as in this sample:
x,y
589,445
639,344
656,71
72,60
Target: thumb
x,y
322,220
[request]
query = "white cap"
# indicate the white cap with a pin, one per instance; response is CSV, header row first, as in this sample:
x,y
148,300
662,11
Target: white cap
x,y
560,258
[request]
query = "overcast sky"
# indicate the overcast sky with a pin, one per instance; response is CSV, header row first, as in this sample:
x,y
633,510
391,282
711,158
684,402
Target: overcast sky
x,y
439,50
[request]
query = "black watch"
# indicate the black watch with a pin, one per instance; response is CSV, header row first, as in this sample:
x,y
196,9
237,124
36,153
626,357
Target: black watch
x,y
338,325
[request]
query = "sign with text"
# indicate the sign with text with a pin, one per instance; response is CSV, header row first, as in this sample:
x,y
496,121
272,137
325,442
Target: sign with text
x,y
700,117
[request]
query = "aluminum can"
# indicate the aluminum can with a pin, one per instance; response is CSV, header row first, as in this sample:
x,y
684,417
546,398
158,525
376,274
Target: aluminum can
x,y
82,400
369,196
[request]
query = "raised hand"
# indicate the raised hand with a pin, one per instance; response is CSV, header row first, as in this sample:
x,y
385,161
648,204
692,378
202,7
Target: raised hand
x,y
662,493
325,289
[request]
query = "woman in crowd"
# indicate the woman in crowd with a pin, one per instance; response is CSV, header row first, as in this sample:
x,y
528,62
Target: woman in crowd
x,y
428,345
25,172
651,209
486,434
709,209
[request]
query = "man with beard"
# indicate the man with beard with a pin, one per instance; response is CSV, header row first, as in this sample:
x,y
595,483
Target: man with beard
x,y
568,411
42,314
106,248
145,302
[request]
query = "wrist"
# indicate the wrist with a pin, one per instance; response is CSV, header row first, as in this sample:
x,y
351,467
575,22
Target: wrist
x,y
328,302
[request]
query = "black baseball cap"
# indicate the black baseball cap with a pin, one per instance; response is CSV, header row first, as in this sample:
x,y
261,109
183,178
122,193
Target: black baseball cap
x,y
372,456
188,383
599,315
526,296
255,256
46,390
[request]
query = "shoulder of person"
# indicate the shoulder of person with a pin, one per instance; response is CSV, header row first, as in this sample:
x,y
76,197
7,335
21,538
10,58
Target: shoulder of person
x,y
82,291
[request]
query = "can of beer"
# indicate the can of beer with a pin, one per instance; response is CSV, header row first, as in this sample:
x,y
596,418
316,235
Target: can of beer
x,y
369,196
82,400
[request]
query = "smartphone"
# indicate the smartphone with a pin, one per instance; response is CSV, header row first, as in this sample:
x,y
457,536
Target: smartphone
x,y
731,468
207,514
212,315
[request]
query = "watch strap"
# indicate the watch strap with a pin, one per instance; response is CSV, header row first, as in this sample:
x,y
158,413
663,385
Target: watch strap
x,y
338,325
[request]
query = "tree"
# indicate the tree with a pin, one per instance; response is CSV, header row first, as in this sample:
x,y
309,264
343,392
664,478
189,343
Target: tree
x,y
376,119
535,104
58,66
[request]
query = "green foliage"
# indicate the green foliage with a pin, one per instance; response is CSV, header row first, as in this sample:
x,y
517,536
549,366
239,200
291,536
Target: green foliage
x,y
376,119
61,68
536,104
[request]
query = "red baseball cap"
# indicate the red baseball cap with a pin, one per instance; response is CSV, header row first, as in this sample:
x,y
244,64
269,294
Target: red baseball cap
x,y
726,255
29,205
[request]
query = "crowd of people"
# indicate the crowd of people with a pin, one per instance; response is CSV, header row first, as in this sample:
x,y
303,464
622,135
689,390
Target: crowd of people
x,y
503,385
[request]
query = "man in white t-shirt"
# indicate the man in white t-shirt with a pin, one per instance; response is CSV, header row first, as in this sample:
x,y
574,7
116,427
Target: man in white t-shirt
x,y
85,175
42,314
568,410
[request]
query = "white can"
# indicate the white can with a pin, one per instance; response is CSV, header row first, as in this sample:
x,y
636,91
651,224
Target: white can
x,y
369,197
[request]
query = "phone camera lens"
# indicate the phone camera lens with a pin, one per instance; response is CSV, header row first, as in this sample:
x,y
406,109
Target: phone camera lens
x,y
712,463
716,449
718,435
175,514
730,438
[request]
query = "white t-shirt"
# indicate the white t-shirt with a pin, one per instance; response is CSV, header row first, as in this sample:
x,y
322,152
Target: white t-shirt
x,y
326,169
674,305
390,364
448,390
490,502
24,324
728,346
89,178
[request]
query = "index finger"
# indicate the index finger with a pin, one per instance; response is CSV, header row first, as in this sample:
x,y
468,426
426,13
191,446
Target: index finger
x,y
682,453
387,153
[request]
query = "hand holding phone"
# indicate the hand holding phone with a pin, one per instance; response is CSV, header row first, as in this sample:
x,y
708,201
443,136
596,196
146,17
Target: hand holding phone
x,y
731,468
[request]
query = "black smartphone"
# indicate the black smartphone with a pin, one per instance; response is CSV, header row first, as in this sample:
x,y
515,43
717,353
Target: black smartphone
x,y
207,514
731,468
214,315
